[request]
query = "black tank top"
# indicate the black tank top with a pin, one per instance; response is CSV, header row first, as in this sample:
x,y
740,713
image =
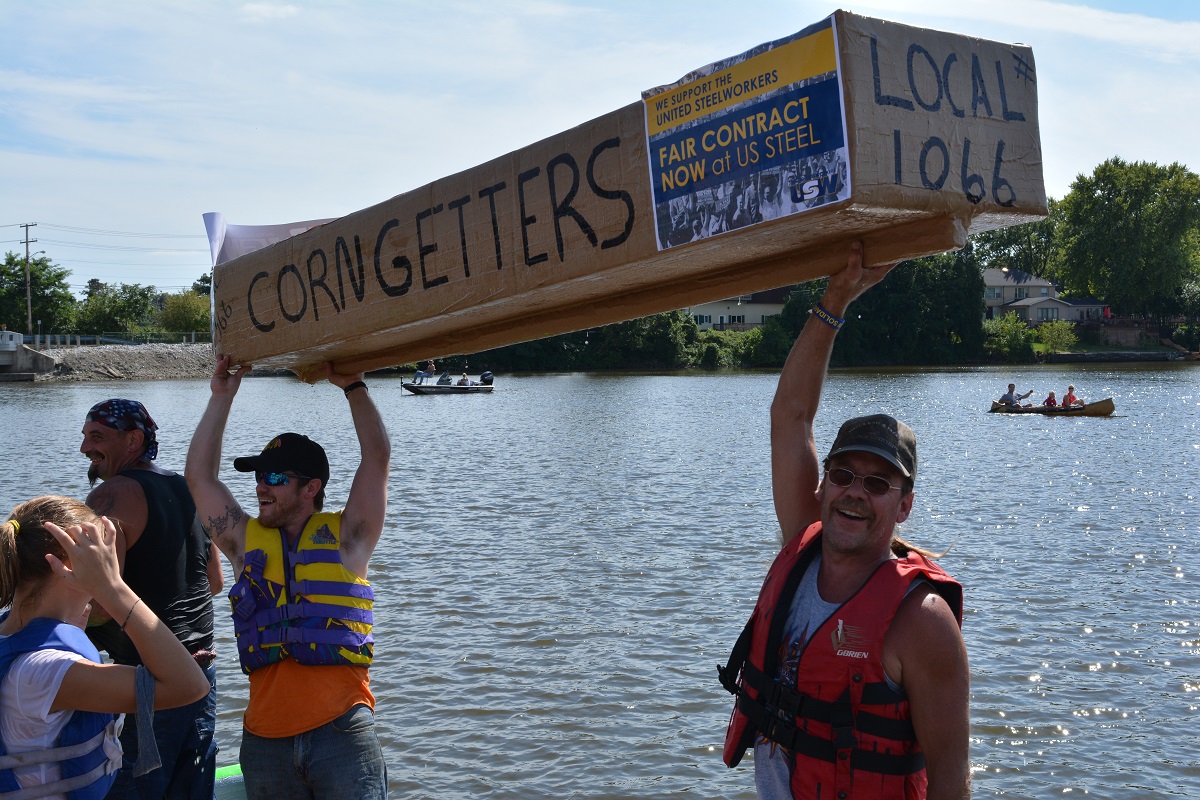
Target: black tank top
x,y
167,567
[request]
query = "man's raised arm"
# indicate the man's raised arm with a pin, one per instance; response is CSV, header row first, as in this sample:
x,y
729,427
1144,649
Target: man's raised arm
x,y
222,517
795,468
366,506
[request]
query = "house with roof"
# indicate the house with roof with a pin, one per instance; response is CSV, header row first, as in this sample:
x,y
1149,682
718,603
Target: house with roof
x,y
740,313
1034,299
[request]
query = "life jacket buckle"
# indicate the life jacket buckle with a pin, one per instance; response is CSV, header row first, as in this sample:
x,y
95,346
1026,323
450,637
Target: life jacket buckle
x,y
843,737
728,677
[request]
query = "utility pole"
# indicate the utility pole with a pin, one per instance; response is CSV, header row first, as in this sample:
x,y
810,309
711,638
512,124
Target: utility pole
x,y
28,292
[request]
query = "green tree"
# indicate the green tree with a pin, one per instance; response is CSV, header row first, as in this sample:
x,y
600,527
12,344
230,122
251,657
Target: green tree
x,y
1057,336
49,294
1127,235
184,312
127,307
927,311
1028,247
1008,339
203,284
660,341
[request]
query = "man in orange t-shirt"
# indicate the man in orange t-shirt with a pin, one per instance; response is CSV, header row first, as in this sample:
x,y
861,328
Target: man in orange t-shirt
x,y
301,604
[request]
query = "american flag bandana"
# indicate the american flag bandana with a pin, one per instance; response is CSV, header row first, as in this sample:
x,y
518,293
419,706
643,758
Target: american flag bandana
x,y
127,415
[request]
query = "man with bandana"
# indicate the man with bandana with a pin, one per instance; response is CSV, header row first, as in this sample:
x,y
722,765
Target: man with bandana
x,y
169,562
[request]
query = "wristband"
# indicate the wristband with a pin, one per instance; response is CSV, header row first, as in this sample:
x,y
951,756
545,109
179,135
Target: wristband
x,y
353,386
820,313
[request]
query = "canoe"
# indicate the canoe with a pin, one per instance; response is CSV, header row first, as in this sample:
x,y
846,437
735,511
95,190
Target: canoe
x,y
1100,408
433,388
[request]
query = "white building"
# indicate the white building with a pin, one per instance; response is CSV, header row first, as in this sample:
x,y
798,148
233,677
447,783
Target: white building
x,y
1034,299
740,313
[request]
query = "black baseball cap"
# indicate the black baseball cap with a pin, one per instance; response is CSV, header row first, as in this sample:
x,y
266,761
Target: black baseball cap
x,y
288,451
882,435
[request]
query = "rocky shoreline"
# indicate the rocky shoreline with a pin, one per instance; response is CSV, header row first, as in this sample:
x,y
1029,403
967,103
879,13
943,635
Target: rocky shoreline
x,y
120,362
144,362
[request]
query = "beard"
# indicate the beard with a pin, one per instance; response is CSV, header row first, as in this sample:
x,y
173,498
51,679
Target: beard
x,y
93,474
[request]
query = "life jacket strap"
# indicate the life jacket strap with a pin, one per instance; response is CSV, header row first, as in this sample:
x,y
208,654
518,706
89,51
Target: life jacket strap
x,y
300,557
360,591
784,732
299,611
53,754
728,674
57,754
791,703
292,635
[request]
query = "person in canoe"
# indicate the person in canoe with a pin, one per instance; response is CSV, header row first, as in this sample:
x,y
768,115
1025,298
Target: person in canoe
x,y
1011,398
1069,399
1050,401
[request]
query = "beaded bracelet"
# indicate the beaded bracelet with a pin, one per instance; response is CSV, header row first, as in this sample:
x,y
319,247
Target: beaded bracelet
x,y
130,614
353,386
820,313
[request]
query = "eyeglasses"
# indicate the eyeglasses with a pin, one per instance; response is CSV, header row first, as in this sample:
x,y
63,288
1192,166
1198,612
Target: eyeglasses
x,y
278,478
840,476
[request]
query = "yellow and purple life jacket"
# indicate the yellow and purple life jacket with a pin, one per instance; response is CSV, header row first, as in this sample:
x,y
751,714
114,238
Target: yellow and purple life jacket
x,y
300,602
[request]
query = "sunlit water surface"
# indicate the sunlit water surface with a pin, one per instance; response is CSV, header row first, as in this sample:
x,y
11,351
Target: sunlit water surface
x,y
567,559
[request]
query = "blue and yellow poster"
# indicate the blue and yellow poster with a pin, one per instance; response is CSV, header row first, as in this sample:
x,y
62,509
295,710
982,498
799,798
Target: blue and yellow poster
x,y
749,139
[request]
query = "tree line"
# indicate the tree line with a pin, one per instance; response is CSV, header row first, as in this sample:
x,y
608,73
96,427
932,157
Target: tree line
x,y
1128,234
102,308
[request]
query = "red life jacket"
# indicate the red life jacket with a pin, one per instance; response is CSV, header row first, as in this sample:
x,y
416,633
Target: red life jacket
x,y
850,733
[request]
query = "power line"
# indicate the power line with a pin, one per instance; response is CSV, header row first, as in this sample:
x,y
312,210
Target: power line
x,y
104,232
127,247
137,266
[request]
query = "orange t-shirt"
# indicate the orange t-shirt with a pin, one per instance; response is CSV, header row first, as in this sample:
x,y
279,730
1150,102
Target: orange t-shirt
x,y
287,698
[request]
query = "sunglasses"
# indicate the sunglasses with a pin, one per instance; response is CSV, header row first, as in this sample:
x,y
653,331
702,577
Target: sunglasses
x,y
278,478
873,484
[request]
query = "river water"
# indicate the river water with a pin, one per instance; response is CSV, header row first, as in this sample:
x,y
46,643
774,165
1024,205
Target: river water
x,y
567,559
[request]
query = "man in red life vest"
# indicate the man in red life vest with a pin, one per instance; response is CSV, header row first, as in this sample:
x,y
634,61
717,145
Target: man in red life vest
x,y
851,677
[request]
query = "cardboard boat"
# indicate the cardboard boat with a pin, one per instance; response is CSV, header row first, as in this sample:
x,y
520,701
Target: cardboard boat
x,y
748,174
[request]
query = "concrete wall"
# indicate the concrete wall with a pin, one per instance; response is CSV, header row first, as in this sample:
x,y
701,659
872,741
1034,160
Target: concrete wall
x,y
26,359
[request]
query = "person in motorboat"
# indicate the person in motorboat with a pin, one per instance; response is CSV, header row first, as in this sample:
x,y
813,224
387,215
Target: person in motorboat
x,y
465,381
421,374
61,708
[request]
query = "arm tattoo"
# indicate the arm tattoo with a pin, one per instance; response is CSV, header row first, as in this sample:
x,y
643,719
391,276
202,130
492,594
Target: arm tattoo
x,y
217,526
103,500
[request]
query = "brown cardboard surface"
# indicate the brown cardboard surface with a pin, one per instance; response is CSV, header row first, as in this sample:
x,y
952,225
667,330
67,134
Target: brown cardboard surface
x,y
561,235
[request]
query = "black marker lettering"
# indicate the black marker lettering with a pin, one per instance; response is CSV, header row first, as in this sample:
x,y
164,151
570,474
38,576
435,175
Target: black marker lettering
x,y
250,304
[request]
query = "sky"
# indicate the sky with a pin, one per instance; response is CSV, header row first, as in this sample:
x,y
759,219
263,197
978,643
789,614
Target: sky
x,y
122,123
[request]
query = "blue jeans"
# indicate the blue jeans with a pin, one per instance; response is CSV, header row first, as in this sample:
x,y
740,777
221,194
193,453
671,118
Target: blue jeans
x,y
185,746
340,759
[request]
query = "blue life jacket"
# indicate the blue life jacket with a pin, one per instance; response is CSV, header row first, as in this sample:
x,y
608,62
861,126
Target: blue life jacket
x,y
87,770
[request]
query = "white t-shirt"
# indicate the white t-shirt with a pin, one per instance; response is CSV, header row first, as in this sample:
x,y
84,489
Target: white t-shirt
x,y
26,721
